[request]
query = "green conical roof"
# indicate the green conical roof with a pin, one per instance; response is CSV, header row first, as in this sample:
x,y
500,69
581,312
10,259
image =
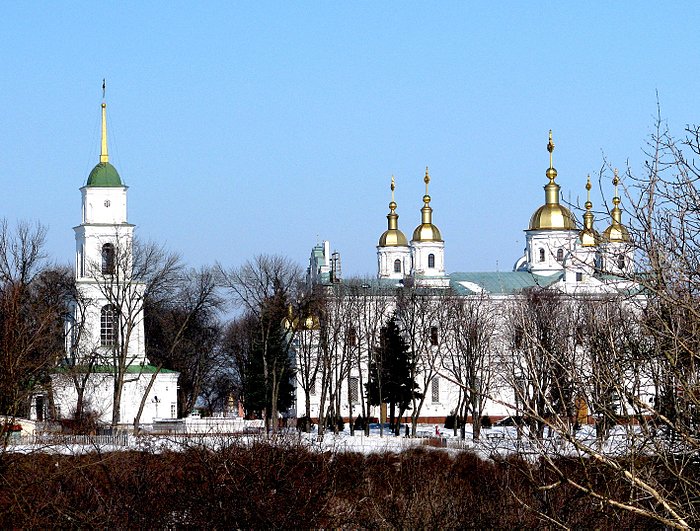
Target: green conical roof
x,y
104,174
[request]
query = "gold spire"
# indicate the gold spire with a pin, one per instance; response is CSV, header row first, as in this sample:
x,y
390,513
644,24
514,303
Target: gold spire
x,y
588,236
616,212
104,155
392,237
552,215
426,211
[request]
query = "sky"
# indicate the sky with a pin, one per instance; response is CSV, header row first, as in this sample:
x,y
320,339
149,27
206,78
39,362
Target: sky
x,y
246,128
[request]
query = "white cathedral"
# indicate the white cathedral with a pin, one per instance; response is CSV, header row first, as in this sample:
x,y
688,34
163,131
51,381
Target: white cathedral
x,y
105,335
558,255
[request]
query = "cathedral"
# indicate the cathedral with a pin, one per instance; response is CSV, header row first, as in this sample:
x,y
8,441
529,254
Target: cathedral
x,y
106,363
559,255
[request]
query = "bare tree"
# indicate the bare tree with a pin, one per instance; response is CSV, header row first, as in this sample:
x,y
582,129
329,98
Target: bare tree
x,y
265,288
468,354
642,346
542,365
33,304
182,334
423,317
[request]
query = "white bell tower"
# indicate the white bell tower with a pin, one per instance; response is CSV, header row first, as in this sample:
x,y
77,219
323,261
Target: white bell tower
x,y
103,264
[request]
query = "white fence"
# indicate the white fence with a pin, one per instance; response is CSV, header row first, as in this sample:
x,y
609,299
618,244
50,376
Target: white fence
x,y
66,440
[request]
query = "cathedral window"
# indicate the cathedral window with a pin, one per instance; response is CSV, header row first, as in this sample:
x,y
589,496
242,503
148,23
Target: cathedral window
x,y
354,390
560,255
108,259
431,260
351,337
108,326
541,255
435,391
397,266
621,262
433,335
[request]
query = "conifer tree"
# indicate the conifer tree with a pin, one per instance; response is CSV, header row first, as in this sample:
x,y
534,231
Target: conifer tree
x,y
390,379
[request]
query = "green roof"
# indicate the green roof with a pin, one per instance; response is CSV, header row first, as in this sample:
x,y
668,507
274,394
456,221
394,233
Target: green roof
x,y
104,174
499,283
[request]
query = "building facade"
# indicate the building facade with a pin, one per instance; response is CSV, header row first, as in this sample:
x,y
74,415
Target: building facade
x,y
413,287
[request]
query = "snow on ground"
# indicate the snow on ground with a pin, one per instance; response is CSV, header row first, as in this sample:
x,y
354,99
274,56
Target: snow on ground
x,y
500,441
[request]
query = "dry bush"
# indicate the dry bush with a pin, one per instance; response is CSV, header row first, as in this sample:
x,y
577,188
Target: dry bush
x,y
287,486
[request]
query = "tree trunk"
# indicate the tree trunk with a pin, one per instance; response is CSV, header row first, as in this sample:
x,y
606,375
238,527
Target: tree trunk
x,y
151,381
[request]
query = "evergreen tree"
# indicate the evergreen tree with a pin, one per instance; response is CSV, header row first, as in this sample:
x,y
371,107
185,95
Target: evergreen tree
x,y
268,361
390,379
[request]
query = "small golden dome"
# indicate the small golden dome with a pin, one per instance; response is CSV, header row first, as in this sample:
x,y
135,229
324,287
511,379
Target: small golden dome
x,y
588,236
392,237
426,231
552,215
616,232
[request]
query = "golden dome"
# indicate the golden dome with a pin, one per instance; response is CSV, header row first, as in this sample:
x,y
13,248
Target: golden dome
x,y
392,236
552,215
426,231
616,232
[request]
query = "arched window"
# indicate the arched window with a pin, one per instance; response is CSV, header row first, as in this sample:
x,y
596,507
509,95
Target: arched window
x,y
351,336
108,259
560,255
621,262
108,326
541,255
431,260
435,391
433,335
397,266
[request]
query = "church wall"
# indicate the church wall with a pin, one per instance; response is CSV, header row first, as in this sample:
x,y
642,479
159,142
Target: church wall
x,y
99,393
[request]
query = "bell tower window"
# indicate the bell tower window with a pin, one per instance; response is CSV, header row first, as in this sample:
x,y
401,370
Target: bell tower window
x,y
108,326
560,255
397,266
431,260
108,259
541,255
621,262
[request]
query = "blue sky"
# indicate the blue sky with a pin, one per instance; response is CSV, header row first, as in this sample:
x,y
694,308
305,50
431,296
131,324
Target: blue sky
x,y
263,127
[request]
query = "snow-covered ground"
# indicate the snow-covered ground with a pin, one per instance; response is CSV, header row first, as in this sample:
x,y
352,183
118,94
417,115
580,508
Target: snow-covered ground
x,y
494,441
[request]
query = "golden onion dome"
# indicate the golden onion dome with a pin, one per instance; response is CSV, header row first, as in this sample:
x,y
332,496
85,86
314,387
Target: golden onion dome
x,y
552,215
392,236
426,231
616,232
